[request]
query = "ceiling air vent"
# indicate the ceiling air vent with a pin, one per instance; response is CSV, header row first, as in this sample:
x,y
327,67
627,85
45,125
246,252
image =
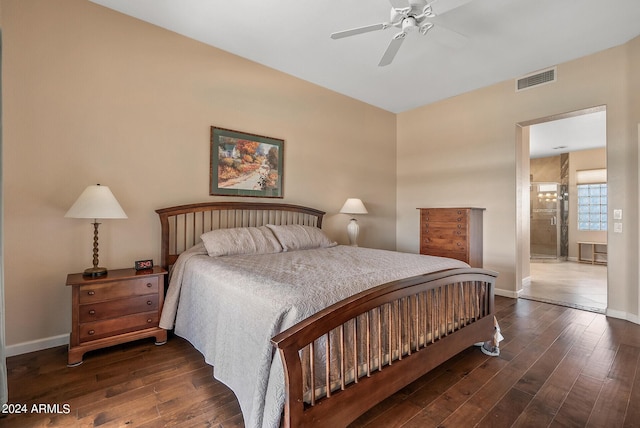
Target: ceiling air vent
x,y
536,79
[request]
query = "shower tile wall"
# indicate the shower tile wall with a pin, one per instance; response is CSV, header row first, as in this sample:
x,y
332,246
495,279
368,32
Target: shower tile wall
x,y
547,170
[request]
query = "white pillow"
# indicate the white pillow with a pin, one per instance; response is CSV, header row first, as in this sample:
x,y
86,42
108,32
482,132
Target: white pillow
x,y
240,240
297,237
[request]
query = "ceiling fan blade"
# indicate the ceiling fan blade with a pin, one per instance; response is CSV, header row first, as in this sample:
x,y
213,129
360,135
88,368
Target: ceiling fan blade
x,y
399,4
418,4
392,49
441,6
448,37
359,30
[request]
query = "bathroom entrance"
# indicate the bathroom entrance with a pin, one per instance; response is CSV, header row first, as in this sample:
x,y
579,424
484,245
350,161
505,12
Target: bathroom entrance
x,y
560,154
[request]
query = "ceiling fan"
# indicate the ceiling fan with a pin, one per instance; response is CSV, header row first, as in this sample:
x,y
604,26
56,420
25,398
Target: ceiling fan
x,y
409,16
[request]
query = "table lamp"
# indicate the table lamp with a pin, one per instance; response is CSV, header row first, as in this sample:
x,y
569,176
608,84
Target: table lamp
x,y
96,202
353,206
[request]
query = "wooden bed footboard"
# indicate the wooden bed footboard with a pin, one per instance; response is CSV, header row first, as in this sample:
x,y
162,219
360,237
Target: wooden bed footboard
x,y
350,356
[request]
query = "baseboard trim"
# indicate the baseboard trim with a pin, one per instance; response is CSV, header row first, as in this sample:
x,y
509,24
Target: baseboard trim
x,y
623,316
36,345
506,293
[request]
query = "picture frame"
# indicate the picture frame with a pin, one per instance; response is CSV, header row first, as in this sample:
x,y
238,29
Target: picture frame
x,y
244,164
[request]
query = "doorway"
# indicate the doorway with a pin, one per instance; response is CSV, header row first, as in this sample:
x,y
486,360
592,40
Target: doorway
x,y
554,152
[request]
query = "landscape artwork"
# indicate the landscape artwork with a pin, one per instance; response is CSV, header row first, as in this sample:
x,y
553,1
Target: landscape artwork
x,y
245,164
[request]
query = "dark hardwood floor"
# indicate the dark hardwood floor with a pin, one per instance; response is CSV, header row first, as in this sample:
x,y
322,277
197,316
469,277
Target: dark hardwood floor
x,y
558,367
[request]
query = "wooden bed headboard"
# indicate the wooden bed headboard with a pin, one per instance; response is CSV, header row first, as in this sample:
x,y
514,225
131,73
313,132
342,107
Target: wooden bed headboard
x,y
182,225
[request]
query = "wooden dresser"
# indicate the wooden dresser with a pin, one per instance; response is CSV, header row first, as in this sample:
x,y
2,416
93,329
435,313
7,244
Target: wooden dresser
x,y
122,306
452,232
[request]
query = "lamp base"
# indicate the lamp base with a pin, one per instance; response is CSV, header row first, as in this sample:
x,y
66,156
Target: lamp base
x,y
353,229
95,272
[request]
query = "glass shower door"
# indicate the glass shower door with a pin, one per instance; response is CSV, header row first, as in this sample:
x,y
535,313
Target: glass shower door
x,y
545,220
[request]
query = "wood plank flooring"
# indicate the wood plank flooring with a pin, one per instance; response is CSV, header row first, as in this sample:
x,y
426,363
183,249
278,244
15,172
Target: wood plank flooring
x,y
558,367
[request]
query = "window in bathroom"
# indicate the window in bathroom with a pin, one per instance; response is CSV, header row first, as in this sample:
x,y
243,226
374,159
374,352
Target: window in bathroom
x,y
592,206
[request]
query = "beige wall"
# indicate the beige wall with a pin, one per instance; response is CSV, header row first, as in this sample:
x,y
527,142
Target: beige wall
x,y
93,96
462,152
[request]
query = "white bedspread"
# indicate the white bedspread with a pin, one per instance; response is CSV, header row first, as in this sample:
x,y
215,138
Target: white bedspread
x,y
230,307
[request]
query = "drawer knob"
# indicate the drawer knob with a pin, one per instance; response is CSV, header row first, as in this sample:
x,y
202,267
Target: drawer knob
x,y
459,226
149,284
458,244
91,332
459,212
149,302
92,312
459,218
149,320
91,293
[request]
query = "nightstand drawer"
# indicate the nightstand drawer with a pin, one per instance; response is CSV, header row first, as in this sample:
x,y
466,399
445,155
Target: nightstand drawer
x,y
116,308
119,289
100,329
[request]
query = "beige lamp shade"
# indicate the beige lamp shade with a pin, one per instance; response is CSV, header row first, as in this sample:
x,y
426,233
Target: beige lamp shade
x,y
96,202
353,206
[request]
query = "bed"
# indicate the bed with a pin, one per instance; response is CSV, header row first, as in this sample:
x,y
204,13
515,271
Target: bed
x,y
304,331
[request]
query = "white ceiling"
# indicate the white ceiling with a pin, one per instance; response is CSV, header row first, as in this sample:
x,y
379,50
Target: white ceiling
x,y
506,39
588,131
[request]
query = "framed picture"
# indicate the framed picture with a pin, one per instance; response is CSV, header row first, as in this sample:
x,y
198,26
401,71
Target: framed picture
x,y
245,164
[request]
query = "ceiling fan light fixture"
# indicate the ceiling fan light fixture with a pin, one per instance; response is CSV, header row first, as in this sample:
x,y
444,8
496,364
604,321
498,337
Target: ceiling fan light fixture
x,y
409,24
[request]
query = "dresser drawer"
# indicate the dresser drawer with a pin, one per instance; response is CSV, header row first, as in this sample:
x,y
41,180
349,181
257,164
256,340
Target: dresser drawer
x,y
445,215
434,245
101,329
119,289
439,231
115,308
447,238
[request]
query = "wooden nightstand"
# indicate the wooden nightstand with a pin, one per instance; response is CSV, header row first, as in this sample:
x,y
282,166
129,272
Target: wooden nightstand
x,y
122,306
